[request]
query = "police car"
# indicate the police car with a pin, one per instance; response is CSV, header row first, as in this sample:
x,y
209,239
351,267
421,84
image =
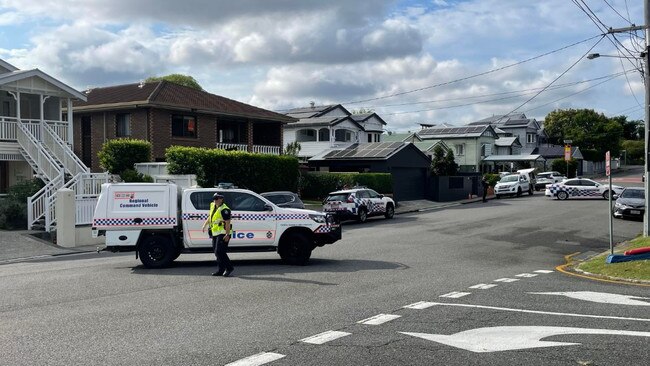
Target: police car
x,y
580,188
359,204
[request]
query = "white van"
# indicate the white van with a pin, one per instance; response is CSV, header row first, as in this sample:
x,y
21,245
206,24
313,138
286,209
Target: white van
x,y
530,176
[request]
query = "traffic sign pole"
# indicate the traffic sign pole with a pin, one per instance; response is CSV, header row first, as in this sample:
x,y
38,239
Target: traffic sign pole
x,y
608,171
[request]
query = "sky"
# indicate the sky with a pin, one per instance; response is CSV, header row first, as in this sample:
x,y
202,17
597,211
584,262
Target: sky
x,y
411,62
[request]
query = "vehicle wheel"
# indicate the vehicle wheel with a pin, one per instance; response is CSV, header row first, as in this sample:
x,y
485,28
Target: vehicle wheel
x,y
362,216
606,195
537,189
498,196
530,191
157,251
295,249
562,195
519,192
390,211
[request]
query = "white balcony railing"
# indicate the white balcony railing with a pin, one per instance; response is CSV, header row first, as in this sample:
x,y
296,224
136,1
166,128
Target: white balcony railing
x,y
260,149
8,126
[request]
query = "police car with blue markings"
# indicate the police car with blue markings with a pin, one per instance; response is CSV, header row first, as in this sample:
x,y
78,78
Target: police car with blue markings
x,y
358,204
159,221
581,188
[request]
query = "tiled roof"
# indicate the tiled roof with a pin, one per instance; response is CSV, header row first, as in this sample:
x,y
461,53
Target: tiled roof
x,y
170,95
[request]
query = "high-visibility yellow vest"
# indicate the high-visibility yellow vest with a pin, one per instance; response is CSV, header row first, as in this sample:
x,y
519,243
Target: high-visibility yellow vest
x,y
217,225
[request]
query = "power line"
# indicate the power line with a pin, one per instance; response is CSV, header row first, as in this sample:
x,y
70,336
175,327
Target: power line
x,y
557,78
619,14
472,76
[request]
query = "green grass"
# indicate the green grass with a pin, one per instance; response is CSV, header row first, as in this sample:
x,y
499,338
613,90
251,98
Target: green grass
x,y
637,270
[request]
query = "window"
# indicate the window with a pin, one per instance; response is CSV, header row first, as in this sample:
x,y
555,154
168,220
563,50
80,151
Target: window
x,y
531,138
123,125
460,149
306,135
369,137
362,194
183,126
324,134
377,137
373,194
343,135
236,201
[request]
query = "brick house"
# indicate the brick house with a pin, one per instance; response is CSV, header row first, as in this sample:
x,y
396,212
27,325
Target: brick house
x,y
167,114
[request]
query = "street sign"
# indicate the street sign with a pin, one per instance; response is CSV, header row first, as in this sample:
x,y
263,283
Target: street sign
x,y
567,152
607,160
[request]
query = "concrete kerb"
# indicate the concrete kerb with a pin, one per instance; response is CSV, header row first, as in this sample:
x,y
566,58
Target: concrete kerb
x,y
572,261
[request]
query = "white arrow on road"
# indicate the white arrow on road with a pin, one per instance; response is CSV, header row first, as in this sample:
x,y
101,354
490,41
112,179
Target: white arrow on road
x,y
601,297
495,339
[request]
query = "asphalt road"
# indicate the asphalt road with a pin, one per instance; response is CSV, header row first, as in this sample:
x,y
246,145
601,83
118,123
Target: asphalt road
x,y
101,309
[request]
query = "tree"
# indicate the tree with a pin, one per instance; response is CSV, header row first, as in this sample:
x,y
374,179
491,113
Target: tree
x,y
293,148
632,130
586,128
179,79
443,164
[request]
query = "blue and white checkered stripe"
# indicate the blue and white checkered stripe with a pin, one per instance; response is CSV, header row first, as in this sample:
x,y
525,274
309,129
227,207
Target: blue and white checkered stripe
x,y
324,229
148,221
250,216
372,207
573,191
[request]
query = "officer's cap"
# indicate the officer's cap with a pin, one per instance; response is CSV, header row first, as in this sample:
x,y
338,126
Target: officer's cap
x,y
217,196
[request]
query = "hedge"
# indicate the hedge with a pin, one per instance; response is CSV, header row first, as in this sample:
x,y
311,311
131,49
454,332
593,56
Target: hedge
x,y
118,155
318,185
257,172
13,207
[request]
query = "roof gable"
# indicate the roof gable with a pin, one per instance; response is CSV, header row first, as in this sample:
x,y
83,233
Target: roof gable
x,y
6,67
19,75
457,132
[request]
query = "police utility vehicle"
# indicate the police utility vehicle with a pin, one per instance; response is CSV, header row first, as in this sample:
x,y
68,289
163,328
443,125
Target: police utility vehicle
x,y
159,221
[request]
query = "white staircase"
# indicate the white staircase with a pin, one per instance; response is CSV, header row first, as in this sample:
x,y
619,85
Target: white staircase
x,y
56,164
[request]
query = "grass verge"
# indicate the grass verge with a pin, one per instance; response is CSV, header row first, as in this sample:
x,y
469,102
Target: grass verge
x,y
634,270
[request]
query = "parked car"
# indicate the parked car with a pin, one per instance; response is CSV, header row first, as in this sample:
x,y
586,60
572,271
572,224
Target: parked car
x,y
284,199
359,204
513,184
530,177
581,188
548,178
630,203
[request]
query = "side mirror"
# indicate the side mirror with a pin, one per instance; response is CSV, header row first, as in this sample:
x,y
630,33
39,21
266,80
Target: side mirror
x,y
381,196
614,196
268,207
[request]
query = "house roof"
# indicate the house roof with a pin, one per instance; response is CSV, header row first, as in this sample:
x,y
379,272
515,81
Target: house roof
x,y
454,132
365,116
313,111
513,158
7,65
429,145
323,122
17,75
401,137
174,96
369,151
507,141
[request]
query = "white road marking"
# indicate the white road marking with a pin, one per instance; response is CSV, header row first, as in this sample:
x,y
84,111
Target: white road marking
x,y
420,305
456,294
543,271
506,280
526,275
495,339
379,319
258,359
601,297
483,286
542,312
325,337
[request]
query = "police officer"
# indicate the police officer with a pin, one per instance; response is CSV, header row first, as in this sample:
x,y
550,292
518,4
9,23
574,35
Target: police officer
x,y
486,185
219,222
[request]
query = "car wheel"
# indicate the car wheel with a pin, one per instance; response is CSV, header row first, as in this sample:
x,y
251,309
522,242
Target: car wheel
x,y
537,189
498,196
606,195
519,192
390,211
295,249
362,216
157,251
562,195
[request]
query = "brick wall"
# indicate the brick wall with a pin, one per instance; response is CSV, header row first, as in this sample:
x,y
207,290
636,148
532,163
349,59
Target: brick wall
x,y
161,132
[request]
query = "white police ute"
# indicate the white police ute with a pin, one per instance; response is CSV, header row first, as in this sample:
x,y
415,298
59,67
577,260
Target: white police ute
x,y
581,188
359,204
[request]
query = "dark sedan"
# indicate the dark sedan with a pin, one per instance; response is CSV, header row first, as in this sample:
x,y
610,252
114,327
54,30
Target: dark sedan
x,y
630,203
284,199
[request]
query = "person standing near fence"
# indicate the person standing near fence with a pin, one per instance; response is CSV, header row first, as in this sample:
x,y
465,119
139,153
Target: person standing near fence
x,y
486,185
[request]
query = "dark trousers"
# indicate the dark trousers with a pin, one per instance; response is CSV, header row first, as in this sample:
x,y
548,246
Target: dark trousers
x,y
485,189
220,251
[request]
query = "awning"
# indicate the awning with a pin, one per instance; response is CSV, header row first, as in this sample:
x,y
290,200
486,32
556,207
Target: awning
x,y
508,158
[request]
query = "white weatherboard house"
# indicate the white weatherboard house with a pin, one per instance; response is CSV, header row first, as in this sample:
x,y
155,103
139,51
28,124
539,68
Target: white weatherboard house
x,y
36,141
322,128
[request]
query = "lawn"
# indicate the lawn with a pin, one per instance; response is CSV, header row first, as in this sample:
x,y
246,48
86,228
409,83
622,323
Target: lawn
x,y
637,270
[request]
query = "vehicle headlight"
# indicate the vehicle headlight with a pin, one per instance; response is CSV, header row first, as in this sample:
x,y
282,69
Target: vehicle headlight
x,y
318,218
620,205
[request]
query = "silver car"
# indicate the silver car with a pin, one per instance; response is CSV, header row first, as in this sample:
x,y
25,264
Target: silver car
x,y
630,203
